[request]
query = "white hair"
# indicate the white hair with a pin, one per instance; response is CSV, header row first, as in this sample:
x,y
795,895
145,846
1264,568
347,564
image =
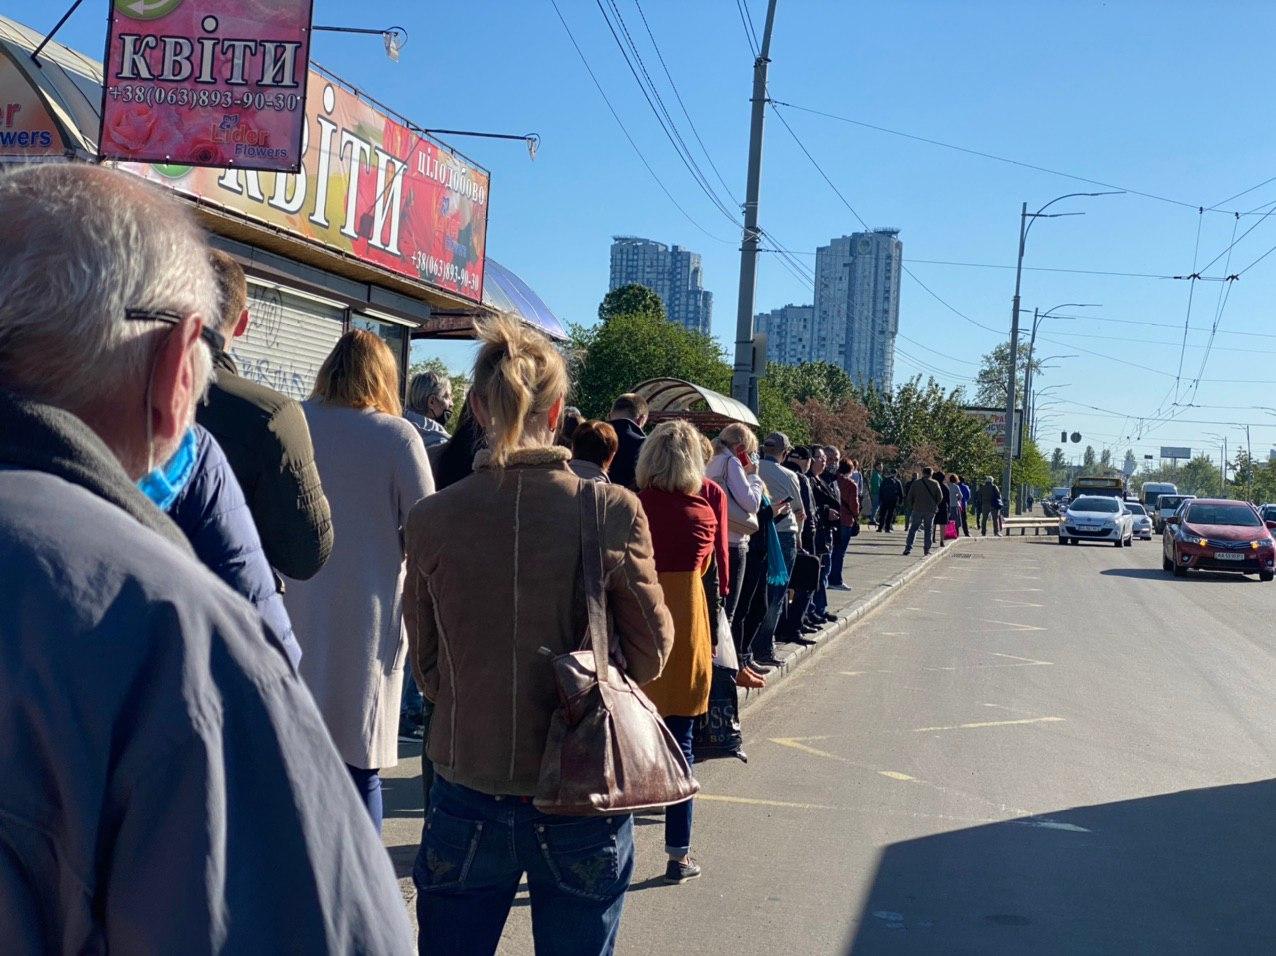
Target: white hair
x,y
423,387
81,244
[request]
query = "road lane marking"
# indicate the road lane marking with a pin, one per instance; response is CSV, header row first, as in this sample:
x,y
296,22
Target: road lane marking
x,y
752,802
895,775
1012,624
1026,660
990,723
1016,603
1052,825
797,744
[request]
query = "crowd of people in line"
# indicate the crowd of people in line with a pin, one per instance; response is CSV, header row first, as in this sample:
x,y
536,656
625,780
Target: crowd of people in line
x,y
221,604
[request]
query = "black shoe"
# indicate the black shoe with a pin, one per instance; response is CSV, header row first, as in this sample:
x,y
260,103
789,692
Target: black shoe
x,y
804,641
810,626
829,617
769,661
758,668
676,872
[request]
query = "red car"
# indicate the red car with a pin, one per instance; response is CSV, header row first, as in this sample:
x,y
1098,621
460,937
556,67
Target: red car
x,y
1214,534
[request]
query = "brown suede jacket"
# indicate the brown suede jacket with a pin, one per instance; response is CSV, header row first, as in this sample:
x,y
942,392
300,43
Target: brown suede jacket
x,y
494,576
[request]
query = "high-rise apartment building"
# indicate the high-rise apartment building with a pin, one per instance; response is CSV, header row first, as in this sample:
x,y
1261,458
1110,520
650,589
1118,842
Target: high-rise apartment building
x,y
857,304
672,273
789,333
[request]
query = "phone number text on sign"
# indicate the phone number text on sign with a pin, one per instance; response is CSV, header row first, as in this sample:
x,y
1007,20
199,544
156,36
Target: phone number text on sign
x,y
203,99
207,83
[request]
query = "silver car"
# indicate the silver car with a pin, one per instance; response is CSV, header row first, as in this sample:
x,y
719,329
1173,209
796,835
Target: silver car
x,y
1142,521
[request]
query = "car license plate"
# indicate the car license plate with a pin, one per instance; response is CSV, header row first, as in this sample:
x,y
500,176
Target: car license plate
x,y
1228,556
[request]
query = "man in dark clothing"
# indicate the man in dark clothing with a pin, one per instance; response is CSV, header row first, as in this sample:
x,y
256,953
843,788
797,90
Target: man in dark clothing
x,y
988,504
795,620
267,442
923,500
828,514
628,416
892,493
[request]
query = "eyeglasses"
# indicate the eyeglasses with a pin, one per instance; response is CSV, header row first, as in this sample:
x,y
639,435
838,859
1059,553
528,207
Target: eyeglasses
x,y
215,341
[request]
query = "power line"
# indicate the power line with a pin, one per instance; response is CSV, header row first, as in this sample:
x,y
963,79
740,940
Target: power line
x,y
994,265
845,202
1191,289
621,123
660,112
674,86
994,156
746,21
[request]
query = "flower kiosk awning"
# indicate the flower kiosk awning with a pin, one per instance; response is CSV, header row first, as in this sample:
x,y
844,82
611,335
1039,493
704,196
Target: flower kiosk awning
x,y
382,219
708,410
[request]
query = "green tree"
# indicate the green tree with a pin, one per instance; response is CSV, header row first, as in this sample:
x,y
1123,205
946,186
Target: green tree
x,y
632,299
1105,459
927,425
994,372
630,347
1131,464
823,381
1200,476
1088,462
775,413
1030,470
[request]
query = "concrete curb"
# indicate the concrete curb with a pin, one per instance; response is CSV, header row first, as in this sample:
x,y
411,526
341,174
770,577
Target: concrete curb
x,y
849,619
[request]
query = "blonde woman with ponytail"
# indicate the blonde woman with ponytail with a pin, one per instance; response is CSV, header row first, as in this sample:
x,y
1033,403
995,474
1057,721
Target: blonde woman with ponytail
x,y
494,592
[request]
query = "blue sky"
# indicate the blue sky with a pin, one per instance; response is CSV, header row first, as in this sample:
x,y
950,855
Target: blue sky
x,y
1167,98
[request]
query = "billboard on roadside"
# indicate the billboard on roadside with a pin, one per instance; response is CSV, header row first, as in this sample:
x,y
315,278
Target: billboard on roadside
x,y
206,82
994,420
28,130
368,187
1175,451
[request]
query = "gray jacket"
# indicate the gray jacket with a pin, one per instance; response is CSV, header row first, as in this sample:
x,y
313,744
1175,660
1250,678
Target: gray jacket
x,y
169,785
431,432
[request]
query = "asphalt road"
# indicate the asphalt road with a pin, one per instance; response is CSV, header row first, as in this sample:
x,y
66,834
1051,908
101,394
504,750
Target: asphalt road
x,y
1031,748
1034,748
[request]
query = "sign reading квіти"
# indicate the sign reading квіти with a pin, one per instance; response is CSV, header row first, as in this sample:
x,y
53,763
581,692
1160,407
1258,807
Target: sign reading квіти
x,y
206,82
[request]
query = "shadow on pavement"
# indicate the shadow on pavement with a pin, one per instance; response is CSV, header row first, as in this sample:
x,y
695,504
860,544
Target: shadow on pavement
x,y
1156,574
1182,872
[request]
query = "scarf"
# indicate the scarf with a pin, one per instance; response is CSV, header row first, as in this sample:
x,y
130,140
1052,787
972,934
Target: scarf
x,y
777,571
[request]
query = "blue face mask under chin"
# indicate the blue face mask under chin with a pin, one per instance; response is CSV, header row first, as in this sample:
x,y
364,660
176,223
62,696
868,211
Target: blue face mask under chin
x,y
162,485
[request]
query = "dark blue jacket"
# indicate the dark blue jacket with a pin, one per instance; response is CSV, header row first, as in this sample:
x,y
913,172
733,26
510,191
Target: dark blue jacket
x,y
625,465
213,514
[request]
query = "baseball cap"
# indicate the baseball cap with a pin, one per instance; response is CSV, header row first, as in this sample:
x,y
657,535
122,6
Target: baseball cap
x,y
777,440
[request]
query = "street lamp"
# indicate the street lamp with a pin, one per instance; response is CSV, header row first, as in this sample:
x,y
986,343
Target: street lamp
x,y
1037,319
1025,224
395,38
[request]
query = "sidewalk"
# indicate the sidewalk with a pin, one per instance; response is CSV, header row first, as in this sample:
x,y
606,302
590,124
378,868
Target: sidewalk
x,y
875,569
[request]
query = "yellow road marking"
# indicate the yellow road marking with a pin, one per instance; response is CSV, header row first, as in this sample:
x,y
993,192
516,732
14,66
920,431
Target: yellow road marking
x,y
750,801
797,744
895,775
991,723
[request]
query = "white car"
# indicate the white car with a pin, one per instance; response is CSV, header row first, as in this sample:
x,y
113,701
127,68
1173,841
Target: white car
x,y
1097,518
1142,521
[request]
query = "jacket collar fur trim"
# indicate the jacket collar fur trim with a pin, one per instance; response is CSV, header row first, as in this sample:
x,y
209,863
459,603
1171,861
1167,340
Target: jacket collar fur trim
x,y
525,457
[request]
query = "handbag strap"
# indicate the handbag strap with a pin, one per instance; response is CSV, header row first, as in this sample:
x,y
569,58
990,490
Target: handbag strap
x,y
591,555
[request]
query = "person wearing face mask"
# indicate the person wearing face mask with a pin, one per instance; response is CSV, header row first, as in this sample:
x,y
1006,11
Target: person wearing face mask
x,y
169,783
430,406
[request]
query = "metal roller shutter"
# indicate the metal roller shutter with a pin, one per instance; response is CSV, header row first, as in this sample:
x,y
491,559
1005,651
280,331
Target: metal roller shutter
x,y
288,338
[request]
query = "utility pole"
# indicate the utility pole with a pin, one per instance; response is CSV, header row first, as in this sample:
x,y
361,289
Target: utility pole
x,y
744,387
1014,357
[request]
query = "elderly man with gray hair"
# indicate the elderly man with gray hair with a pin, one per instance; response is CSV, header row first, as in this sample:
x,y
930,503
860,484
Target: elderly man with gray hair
x,y
170,785
430,406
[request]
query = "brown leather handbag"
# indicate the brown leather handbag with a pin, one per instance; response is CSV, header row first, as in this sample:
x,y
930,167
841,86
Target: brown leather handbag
x,y
608,751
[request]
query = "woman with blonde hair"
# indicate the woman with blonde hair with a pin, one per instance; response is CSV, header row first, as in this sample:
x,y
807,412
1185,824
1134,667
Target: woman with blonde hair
x,y
670,474
495,592
348,617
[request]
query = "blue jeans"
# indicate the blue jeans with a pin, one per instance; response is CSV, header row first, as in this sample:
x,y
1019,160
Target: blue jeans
x,y
678,816
820,600
368,783
476,849
764,640
841,540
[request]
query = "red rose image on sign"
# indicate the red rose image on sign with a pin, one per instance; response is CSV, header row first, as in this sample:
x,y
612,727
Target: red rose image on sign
x,y
206,83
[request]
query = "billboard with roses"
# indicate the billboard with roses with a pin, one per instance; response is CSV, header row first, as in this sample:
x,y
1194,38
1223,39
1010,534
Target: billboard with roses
x,y
369,186
206,82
